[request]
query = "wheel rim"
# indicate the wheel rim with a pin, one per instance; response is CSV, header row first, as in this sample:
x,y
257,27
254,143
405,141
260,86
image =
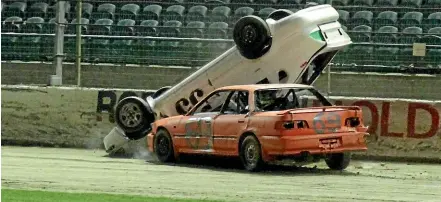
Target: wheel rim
x,y
248,34
163,146
131,115
251,154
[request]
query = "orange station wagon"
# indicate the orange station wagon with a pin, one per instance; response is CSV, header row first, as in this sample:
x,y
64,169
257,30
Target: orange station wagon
x,y
261,124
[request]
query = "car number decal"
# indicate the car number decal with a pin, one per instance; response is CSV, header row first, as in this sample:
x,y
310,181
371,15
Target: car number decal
x,y
194,97
327,122
197,129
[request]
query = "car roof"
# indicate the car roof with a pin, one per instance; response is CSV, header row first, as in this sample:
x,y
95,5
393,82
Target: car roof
x,y
253,87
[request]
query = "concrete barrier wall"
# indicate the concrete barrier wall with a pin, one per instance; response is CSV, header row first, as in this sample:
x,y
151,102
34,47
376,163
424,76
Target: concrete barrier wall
x,y
78,118
382,85
98,75
137,77
400,128
51,117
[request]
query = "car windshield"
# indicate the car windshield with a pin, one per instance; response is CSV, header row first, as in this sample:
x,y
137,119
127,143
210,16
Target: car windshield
x,y
288,98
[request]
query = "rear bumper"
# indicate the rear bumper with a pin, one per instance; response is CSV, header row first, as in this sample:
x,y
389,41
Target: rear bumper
x,y
313,144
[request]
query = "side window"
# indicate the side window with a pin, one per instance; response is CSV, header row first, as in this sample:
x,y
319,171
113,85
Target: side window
x,y
275,99
243,100
237,104
213,103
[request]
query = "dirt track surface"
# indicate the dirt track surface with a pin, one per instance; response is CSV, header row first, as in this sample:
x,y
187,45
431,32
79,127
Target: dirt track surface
x,y
91,171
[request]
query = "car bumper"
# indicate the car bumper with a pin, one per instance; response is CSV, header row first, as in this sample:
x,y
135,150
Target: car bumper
x,y
313,144
150,142
115,140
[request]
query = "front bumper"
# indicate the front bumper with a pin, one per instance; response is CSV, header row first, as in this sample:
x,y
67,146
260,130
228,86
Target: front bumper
x,y
313,144
150,142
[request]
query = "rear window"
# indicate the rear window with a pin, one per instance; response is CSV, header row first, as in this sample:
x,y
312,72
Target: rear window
x,y
288,98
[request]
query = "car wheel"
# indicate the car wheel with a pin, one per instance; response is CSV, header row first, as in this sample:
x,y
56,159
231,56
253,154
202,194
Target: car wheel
x,y
133,115
338,161
252,36
251,154
279,14
163,146
160,91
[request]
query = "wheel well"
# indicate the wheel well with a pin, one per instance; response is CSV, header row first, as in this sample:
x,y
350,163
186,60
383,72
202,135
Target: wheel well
x,y
279,14
243,136
154,137
161,128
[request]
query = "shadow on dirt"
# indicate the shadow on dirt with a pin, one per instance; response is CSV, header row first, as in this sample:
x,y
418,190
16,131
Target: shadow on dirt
x,y
228,164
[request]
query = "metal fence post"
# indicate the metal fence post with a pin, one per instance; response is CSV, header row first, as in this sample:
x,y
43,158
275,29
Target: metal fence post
x,y
78,42
56,80
329,80
329,66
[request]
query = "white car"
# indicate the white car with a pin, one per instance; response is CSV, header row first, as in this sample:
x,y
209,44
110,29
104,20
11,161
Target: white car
x,y
286,47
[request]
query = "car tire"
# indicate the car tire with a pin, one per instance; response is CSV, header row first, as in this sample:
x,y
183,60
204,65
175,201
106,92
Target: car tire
x,y
338,161
251,154
133,115
160,91
252,36
163,146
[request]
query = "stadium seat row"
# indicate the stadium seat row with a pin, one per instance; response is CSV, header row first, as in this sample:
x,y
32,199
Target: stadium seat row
x,y
386,18
126,27
390,34
408,19
199,29
137,10
34,48
385,25
136,51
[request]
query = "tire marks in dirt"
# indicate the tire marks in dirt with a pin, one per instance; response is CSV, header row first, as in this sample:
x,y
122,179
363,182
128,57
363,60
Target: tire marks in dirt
x,y
91,171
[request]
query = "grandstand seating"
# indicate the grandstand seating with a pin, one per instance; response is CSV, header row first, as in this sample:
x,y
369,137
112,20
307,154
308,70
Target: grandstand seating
x,y
377,23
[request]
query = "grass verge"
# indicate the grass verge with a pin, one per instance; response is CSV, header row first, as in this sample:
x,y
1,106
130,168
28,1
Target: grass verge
x,y
47,196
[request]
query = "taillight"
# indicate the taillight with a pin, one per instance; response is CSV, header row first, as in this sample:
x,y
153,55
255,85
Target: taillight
x,y
352,122
288,124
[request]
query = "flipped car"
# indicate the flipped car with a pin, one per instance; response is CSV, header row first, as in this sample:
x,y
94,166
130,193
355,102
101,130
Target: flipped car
x,y
286,47
263,123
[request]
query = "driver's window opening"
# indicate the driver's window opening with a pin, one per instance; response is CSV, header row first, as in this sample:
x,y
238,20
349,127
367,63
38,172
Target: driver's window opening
x,y
287,98
237,104
225,102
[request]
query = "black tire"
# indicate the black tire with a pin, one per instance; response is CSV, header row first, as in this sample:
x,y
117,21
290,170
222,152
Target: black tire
x,y
163,146
251,154
160,91
338,161
134,116
252,36
279,14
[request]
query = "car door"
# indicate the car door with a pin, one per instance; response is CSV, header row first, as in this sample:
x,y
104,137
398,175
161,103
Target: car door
x,y
197,127
230,123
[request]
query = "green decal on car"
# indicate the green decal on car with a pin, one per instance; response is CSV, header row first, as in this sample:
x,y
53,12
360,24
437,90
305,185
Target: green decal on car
x,y
317,35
